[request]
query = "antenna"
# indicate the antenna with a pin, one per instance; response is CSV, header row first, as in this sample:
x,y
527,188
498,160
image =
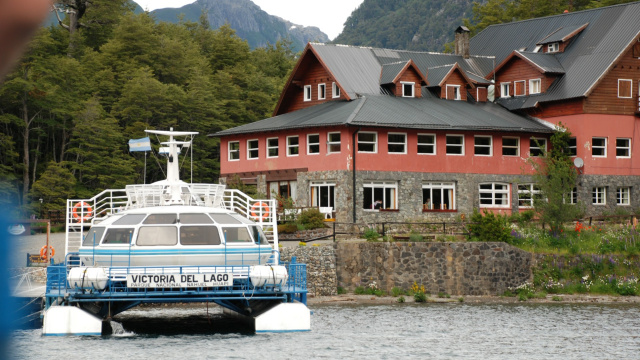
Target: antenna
x,y
578,162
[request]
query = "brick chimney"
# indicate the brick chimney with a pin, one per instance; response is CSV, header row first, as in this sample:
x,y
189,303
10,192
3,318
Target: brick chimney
x,y
462,41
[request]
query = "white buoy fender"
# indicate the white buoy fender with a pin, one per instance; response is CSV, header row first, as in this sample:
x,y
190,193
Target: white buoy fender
x,y
88,278
70,320
266,275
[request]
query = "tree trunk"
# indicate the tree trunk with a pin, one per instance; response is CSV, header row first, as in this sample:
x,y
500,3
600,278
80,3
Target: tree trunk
x,y
25,147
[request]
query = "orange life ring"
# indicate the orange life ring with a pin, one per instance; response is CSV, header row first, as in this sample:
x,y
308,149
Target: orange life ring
x,y
255,210
43,252
82,211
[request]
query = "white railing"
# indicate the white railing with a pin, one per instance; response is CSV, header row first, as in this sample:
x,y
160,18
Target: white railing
x,y
262,211
112,201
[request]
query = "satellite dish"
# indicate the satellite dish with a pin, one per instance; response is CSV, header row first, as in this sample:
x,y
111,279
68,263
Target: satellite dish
x,y
578,162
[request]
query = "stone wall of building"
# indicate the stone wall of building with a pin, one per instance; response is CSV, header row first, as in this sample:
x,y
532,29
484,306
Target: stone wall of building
x,y
586,184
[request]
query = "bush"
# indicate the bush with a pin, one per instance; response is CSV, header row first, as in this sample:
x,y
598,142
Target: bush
x,y
311,219
416,238
396,291
287,228
371,234
491,227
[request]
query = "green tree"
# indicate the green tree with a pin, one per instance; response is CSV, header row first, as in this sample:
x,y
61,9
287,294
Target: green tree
x,y
54,187
555,175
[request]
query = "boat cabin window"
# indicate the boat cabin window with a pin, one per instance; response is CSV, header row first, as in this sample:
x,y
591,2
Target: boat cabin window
x,y
236,234
157,236
242,219
258,235
199,235
93,236
224,219
131,219
118,236
155,219
195,219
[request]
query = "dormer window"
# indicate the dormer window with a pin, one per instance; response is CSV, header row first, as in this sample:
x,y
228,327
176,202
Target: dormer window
x,y
534,86
407,89
453,92
553,47
322,91
335,90
307,93
504,89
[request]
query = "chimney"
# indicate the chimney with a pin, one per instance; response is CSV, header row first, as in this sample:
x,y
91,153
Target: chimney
x,y
462,41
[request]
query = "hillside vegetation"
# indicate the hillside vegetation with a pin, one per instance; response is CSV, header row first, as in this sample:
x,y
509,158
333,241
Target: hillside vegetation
x,y
79,94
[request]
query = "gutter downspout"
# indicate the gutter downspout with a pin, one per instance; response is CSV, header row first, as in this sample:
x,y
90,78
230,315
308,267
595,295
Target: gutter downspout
x,y
362,99
353,146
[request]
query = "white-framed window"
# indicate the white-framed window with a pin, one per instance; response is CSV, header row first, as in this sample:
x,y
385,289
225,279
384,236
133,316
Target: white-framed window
x,y
453,92
322,194
335,90
426,144
322,91
368,142
397,143
505,89
527,193
624,88
333,142
599,195
438,196
455,144
572,147
623,196
572,196
313,144
272,147
553,47
307,93
623,147
494,195
519,88
252,149
510,146
234,150
293,145
483,145
380,195
535,86
537,146
408,88
599,147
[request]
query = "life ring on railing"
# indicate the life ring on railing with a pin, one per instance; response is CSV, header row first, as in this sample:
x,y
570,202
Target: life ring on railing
x,y
43,252
82,211
260,210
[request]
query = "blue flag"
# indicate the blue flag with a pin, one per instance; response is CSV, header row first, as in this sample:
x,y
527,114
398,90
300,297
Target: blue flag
x,y
143,144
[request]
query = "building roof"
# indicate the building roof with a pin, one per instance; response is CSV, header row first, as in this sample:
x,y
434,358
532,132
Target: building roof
x,y
437,74
547,63
391,71
562,34
609,32
382,111
358,70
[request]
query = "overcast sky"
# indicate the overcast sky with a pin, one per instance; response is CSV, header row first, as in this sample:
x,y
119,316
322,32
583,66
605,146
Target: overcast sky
x,y
328,15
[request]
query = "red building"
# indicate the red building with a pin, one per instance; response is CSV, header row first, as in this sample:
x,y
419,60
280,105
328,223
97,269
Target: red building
x,y
397,135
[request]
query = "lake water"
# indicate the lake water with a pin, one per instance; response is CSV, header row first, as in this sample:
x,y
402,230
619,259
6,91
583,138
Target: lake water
x,y
435,331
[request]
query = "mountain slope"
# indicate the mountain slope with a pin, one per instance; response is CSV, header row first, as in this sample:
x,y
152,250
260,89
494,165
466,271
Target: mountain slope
x,y
405,24
247,19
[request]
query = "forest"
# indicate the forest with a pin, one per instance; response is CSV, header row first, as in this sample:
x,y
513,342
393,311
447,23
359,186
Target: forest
x,y
87,85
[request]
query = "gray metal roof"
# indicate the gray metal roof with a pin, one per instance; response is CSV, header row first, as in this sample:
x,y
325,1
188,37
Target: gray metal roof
x,y
560,34
587,58
397,112
358,69
390,71
435,75
547,62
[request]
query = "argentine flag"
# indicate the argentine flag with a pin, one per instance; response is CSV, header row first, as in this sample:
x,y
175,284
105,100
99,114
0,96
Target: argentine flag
x,y
143,144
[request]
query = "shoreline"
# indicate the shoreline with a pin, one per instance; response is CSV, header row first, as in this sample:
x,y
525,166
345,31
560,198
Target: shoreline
x,y
351,299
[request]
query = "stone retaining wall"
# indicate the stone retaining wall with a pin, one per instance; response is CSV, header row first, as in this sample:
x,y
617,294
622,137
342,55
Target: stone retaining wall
x,y
452,268
321,267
